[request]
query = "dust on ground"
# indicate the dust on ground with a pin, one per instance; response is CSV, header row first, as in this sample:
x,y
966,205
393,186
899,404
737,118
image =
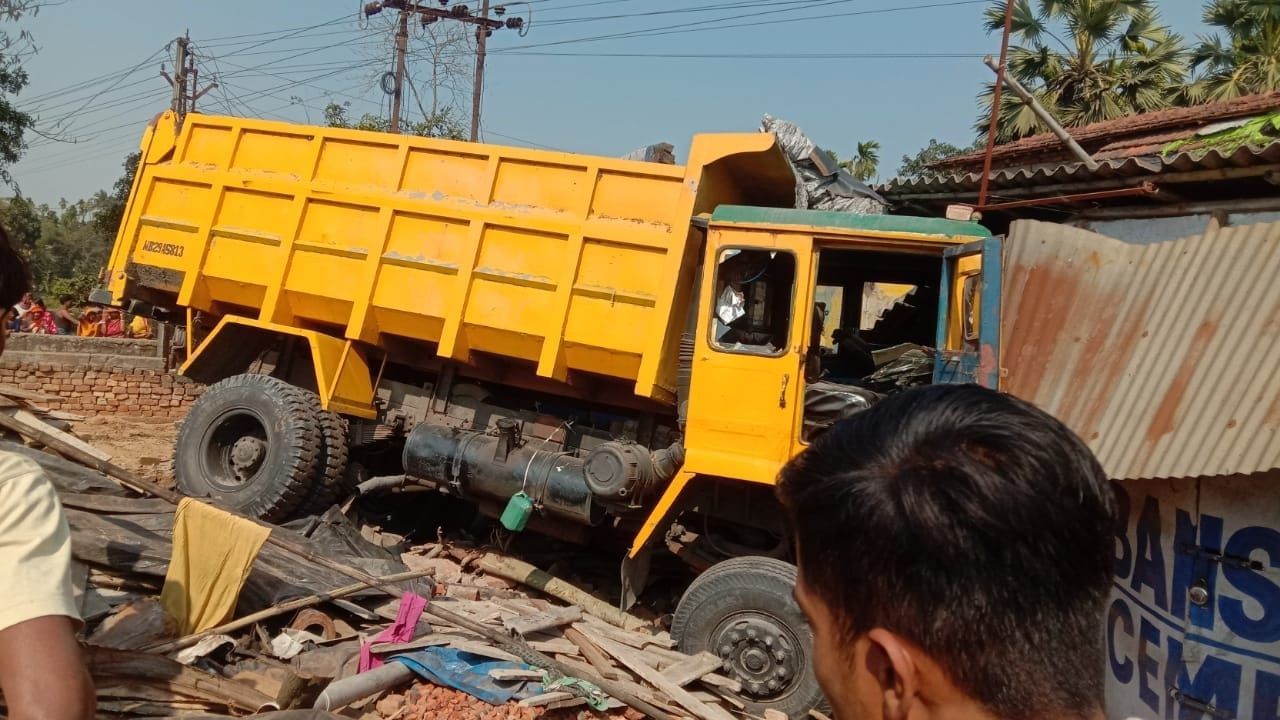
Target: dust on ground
x,y
141,445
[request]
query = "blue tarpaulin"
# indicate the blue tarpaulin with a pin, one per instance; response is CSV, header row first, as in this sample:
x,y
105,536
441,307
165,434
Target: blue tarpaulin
x,y
469,673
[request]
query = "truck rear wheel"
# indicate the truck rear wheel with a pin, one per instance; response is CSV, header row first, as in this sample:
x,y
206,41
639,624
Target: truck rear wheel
x,y
743,611
252,443
331,477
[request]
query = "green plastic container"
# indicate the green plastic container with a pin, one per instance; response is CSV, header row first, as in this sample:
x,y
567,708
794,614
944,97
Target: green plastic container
x,y
516,515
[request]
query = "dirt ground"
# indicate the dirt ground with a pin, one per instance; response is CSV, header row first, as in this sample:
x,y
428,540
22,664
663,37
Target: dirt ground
x,y
143,446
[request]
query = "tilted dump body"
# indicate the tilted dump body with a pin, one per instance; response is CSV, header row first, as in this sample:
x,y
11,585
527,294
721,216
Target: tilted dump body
x,y
568,262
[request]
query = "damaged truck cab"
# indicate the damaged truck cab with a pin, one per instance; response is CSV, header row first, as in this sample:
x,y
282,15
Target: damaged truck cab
x,y
582,346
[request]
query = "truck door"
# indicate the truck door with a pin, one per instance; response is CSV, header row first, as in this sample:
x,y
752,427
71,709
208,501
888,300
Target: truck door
x,y
748,361
969,315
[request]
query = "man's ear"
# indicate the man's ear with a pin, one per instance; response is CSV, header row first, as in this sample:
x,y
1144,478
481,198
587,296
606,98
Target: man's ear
x,y
889,659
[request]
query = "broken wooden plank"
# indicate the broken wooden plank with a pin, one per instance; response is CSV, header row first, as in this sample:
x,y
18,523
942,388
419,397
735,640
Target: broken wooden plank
x,y
19,393
26,424
633,662
554,646
593,654
715,680
110,667
484,650
652,658
513,674
693,668
420,643
637,639
526,574
545,620
547,698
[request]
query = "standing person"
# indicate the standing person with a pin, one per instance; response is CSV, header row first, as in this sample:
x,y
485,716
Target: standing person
x,y
63,316
42,673
955,549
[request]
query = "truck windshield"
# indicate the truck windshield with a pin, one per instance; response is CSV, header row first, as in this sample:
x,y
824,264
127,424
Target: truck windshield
x,y
752,308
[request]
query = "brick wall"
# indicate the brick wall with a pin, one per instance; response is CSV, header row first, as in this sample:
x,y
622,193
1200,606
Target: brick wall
x,y
91,380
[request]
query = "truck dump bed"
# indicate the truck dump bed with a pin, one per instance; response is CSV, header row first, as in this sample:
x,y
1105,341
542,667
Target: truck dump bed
x,y
569,262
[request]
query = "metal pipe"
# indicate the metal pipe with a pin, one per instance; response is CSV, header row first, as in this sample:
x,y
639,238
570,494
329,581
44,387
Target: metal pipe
x,y
341,693
997,97
1146,188
380,483
1041,113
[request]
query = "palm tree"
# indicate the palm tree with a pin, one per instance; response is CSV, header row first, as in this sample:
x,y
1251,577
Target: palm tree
x,y
1246,61
1085,61
864,164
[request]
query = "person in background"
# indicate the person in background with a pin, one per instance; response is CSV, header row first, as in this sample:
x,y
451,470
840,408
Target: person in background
x,y
42,672
63,316
39,320
90,324
112,323
20,309
955,549
140,328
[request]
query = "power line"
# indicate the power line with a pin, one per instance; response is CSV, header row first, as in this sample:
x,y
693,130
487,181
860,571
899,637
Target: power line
x,y
920,55
708,25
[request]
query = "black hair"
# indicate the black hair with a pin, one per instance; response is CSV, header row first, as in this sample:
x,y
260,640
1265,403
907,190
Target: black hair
x,y
14,280
64,299
976,526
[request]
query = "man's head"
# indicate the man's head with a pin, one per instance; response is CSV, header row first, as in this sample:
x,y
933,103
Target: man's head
x,y
955,550
14,283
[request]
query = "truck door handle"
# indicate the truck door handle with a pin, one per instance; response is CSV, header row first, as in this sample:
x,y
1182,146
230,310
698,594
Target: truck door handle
x,y
782,394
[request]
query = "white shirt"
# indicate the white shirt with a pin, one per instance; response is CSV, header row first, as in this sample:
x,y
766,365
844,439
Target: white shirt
x,y
35,545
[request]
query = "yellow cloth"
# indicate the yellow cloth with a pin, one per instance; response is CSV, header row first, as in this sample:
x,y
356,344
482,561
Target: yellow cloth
x,y
213,552
35,545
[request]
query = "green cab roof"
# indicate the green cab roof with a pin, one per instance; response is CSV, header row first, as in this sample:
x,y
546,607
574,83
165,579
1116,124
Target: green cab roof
x,y
906,224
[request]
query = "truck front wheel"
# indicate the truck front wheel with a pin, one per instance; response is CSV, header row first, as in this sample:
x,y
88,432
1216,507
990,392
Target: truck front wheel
x,y
743,611
252,443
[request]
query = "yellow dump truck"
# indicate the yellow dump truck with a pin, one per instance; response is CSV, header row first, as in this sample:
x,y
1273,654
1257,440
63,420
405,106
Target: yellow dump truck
x,y
592,347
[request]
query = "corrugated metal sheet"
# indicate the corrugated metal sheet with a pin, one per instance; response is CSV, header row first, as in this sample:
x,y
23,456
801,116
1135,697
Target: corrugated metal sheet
x,y
1075,172
1164,357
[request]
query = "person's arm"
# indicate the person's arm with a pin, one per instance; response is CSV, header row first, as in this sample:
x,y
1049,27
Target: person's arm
x,y
42,673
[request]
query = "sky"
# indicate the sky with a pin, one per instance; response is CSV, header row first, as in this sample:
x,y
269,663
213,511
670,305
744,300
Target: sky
x,y
591,76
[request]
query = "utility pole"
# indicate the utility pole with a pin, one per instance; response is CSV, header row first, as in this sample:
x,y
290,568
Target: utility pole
x,y
477,88
185,79
485,25
402,49
179,79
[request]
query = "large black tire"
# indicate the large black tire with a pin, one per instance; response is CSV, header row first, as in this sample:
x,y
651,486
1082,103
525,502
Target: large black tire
x,y
251,442
331,477
743,610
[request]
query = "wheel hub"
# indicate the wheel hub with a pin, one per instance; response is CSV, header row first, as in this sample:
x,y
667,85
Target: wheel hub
x,y
246,456
759,653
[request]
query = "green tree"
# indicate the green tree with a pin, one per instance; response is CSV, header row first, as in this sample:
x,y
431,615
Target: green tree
x,y
110,211
441,124
865,162
1085,61
918,165
1243,57
14,48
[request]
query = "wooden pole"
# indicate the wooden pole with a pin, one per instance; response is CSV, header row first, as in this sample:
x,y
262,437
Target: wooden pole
x,y
996,99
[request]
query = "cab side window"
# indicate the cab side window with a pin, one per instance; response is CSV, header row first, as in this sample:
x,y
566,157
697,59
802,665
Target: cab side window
x,y
751,310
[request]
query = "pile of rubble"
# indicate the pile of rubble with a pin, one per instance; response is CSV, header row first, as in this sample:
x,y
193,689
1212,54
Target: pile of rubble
x,y
328,620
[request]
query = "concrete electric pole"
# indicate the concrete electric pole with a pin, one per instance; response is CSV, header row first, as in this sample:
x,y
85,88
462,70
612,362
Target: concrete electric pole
x,y
485,25
185,79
